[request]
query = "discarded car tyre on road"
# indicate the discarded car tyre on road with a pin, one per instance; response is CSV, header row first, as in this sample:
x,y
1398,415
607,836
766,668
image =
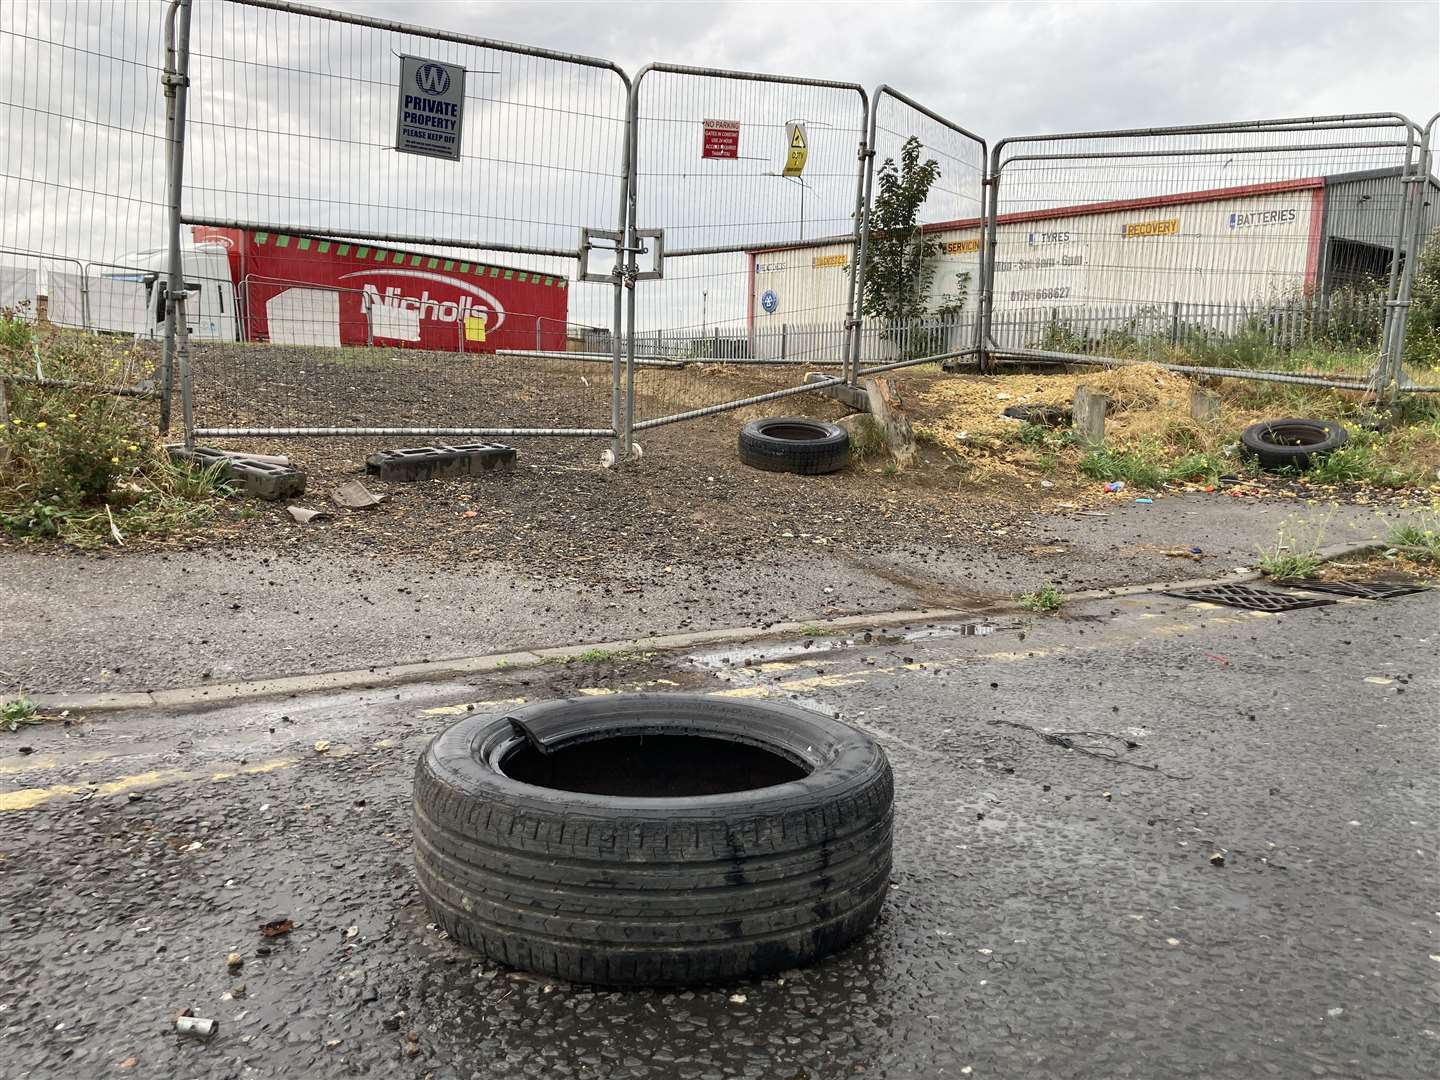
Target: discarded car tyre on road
x,y
1292,443
653,839
795,444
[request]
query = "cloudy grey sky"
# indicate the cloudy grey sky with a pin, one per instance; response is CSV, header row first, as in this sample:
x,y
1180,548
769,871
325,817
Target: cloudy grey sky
x,y
1016,68
291,119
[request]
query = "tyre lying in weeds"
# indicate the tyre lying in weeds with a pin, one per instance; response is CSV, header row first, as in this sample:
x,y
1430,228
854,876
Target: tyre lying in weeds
x,y
795,444
1292,443
653,839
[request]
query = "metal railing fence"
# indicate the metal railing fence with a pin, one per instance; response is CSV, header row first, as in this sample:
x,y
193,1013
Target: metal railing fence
x,y
597,255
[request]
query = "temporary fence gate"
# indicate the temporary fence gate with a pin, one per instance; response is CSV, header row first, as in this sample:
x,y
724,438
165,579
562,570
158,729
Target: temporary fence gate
x,y
739,168
285,132
1217,249
919,292
695,242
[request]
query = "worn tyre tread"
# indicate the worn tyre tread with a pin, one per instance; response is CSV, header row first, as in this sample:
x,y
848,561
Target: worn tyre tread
x,y
828,452
630,891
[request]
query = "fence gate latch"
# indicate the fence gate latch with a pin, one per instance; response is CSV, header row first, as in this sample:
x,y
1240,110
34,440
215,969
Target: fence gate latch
x,y
588,237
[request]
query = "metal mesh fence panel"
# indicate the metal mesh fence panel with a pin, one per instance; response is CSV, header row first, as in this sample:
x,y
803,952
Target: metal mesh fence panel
x,y
453,265
920,292
1264,248
756,284
82,176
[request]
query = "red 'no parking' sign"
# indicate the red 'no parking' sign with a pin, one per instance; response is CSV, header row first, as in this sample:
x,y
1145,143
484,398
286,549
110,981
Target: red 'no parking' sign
x,y
722,139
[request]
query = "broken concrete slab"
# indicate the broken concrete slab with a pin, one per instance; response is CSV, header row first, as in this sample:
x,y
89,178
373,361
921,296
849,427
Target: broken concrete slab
x,y
441,461
353,495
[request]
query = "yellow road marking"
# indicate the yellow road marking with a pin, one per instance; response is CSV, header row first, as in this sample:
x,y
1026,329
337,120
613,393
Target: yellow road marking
x,y
471,706
29,798
14,765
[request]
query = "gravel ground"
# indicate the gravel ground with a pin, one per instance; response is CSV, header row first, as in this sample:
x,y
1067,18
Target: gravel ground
x,y
1053,914
564,551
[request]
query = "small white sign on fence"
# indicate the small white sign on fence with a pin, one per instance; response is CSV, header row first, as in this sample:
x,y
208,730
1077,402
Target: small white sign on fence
x,y
431,108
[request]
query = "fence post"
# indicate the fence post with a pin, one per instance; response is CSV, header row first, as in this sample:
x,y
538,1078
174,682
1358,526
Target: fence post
x,y
1393,354
990,208
860,243
176,82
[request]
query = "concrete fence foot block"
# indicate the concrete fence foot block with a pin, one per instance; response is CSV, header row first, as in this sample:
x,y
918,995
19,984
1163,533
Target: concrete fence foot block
x,y
441,461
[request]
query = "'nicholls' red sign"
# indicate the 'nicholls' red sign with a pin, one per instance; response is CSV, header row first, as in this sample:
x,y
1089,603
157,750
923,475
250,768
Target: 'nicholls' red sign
x,y
722,139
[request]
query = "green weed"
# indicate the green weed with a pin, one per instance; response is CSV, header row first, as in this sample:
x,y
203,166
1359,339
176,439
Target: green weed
x,y
1417,540
1149,466
1045,599
1295,555
18,712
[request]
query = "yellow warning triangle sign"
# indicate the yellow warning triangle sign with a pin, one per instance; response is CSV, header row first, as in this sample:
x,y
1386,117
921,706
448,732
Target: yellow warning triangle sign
x,y
799,149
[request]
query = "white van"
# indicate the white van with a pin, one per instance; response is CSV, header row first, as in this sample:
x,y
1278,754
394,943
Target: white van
x,y
123,296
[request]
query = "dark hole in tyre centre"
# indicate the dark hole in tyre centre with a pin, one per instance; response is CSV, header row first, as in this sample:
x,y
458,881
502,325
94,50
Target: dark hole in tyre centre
x,y
799,432
651,766
1293,436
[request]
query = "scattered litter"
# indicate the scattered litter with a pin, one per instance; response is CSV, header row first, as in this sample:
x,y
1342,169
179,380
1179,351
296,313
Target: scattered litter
x,y
129,1063
114,532
1181,553
1217,859
1222,661
351,932
1145,502
1092,513
738,999
234,961
196,1027
276,927
136,796
322,745
353,495
1115,485
471,513
304,516
1378,681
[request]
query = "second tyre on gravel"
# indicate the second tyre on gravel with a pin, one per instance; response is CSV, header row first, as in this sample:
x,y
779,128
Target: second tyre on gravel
x,y
795,444
653,839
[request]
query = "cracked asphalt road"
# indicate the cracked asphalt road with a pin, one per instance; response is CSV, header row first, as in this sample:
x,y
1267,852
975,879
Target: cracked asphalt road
x,y
1055,912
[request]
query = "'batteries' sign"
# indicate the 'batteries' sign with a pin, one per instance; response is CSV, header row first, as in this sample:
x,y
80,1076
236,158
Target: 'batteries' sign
x,y
1255,219
432,106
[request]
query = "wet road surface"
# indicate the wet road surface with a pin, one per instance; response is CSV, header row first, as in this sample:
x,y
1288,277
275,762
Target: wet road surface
x,y
1055,912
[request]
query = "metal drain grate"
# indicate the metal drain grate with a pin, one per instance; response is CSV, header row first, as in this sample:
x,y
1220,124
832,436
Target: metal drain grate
x,y
1250,598
1368,590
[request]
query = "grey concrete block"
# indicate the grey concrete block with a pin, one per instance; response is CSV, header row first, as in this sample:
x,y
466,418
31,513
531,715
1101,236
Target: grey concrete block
x,y
266,480
853,396
440,462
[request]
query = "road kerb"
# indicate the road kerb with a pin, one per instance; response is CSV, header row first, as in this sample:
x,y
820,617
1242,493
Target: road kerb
x,y
377,678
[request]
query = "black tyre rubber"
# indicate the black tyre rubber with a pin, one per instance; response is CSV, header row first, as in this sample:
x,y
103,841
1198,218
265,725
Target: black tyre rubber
x,y
619,889
1292,443
795,444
